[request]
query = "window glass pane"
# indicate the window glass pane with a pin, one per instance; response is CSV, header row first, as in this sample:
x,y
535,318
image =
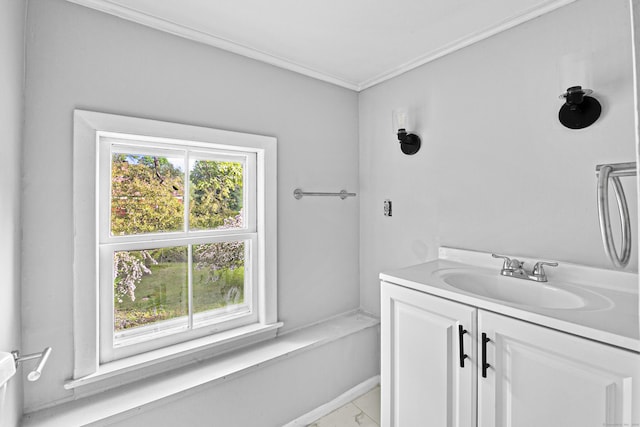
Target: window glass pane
x,y
219,276
147,194
151,288
216,194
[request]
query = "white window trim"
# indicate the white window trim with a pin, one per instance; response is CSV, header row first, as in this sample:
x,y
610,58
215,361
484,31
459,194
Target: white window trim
x,y
87,124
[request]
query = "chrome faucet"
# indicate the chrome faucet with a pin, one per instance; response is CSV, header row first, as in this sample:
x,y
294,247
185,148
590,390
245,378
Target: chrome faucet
x,y
515,268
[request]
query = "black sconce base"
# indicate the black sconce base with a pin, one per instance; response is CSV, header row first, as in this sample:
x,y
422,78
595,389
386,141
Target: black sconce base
x,y
409,142
579,110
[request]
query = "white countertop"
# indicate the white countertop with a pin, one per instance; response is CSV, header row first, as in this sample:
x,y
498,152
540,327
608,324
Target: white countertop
x,y
616,324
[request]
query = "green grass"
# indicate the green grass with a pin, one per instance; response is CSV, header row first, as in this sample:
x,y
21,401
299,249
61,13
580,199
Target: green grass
x,y
163,294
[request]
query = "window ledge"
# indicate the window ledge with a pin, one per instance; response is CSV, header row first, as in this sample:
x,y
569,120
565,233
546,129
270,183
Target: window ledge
x,y
137,367
115,404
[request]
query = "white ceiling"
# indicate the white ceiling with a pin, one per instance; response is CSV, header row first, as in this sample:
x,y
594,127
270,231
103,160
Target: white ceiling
x,y
352,43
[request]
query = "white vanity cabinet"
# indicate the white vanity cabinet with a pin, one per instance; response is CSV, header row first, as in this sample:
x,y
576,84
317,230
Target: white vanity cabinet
x,y
422,381
542,377
533,376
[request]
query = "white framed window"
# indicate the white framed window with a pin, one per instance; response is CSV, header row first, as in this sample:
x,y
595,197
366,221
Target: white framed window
x,y
175,239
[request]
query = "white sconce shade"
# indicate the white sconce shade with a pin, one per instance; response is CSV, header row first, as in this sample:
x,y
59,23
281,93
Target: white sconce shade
x,y
401,119
402,124
574,69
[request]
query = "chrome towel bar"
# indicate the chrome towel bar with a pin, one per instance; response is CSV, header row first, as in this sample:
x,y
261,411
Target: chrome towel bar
x,y
613,172
298,194
43,357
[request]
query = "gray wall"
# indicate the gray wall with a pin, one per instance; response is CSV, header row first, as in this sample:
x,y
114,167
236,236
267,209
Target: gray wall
x,y
80,58
11,113
497,172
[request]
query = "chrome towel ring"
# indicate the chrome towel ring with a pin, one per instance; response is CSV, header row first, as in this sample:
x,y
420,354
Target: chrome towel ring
x,y
613,172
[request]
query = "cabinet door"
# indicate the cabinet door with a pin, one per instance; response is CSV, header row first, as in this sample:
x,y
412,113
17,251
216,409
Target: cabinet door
x,y
422,382
542,377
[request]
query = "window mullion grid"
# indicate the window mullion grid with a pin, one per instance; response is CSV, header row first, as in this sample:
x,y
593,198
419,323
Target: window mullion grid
x,y
187,227
187,238
186,201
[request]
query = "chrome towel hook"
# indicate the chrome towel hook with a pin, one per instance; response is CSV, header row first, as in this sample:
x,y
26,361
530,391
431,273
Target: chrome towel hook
x,y
613,172
36,373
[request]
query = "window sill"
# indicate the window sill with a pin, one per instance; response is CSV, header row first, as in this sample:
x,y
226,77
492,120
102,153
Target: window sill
x,y
116,404
144,365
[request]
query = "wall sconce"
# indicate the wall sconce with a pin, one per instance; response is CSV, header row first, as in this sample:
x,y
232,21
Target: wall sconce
x,y
579,110
409,142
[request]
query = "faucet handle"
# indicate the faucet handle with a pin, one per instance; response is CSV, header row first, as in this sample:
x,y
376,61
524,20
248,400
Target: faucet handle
x,y
510,264
507,265
539,271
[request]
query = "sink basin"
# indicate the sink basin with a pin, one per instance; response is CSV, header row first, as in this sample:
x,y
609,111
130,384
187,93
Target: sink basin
x,y
517,291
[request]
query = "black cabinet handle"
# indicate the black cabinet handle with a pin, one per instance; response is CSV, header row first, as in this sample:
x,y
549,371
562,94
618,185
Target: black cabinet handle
x,y
485,365
461,332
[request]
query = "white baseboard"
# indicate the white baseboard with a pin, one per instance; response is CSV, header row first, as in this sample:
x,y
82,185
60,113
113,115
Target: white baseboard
x,y
336,403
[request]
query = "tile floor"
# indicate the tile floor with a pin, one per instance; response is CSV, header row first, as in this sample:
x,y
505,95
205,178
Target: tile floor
x,y
362,412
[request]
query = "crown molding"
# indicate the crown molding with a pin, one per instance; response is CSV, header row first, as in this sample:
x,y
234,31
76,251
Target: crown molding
x,y
520,18
174,28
